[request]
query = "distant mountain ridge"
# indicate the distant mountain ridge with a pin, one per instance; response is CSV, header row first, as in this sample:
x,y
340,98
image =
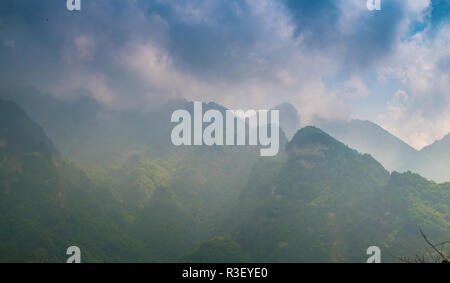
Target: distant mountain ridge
x,y
395,155
368,137
89,134
20,134
127,132
434,161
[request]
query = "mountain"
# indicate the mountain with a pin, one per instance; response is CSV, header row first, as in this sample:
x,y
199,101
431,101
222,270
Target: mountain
x,y
433,162
289,119
407,204
93,136
368,137
179,197
394,154
327,203
318,200
309,216
48,204
164,199
20,135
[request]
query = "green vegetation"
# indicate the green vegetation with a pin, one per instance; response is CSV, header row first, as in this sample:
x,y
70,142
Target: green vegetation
x,y
125,195
328,203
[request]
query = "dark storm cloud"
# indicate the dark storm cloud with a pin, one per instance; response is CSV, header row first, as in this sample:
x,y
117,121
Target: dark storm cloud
x,y
372,36
218,43
376,34
38,41
216,39
316,21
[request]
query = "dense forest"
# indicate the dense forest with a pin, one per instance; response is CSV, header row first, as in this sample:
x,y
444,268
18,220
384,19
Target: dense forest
x,y
117,188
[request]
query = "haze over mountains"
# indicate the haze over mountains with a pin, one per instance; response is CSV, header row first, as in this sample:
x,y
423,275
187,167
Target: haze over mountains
x,y
368,137
326,203
131,131
114,186
395,155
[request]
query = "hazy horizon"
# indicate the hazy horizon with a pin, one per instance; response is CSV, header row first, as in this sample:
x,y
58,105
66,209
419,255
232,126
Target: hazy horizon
x,y
331,59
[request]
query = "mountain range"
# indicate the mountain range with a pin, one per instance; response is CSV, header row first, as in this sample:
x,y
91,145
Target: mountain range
x,y
327,203
393,153
112,184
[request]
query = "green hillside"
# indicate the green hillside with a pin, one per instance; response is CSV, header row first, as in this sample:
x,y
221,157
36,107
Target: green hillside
x,y
318,200
328,203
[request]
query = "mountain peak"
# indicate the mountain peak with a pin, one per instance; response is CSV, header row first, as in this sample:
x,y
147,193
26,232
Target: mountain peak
x,y
368,137
20,134
312,135
312,148
441,144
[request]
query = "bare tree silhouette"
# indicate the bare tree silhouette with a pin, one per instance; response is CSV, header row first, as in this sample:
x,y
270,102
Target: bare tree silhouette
x,y
437,253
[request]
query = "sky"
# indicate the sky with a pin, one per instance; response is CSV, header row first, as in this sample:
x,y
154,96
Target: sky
x,y
332,59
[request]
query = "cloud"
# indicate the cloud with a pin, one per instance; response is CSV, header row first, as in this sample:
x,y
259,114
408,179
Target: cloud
x,y
240,53
419,113
347,30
